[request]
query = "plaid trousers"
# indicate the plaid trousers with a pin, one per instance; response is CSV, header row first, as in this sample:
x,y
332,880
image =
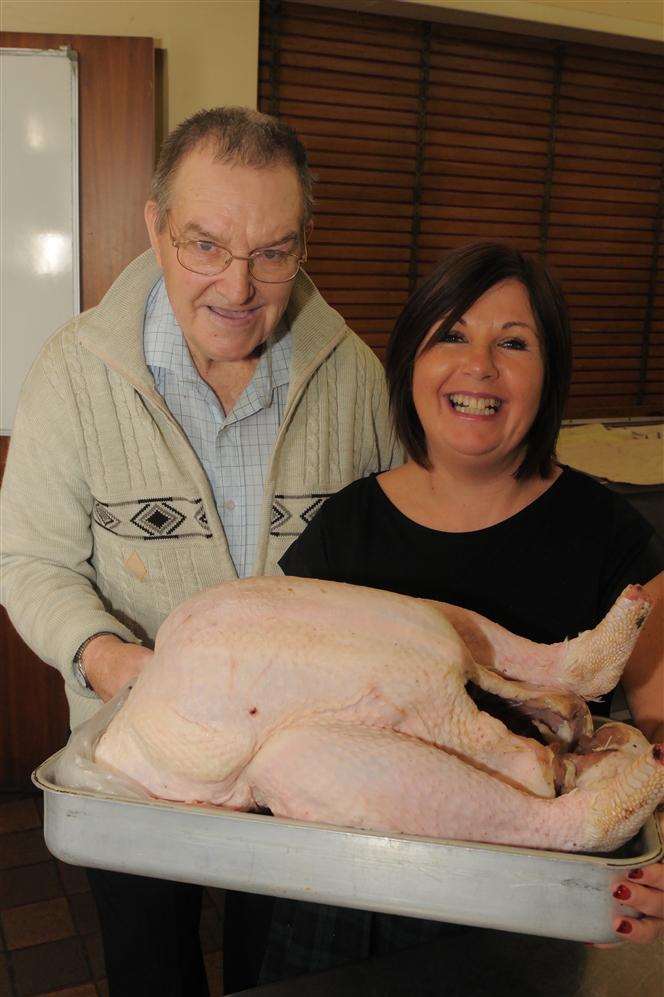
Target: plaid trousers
x,y
310,938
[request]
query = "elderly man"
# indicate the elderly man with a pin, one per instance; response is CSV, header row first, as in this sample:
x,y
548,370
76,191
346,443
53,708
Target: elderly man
x,y
181,433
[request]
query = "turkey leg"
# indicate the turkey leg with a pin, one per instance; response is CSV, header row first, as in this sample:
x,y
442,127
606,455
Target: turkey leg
x,y
384,781
589,665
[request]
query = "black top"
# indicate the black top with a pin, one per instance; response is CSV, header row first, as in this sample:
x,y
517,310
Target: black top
x,y
546,573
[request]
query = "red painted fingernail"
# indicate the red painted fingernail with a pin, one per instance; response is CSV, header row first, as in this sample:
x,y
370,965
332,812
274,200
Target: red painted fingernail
x,y
624,928
622,893
635,874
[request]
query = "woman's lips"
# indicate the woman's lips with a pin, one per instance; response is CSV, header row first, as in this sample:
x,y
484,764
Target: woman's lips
x,y
478,405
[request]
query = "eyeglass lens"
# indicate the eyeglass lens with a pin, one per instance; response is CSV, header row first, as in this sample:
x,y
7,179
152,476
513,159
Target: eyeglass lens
x,y
209,259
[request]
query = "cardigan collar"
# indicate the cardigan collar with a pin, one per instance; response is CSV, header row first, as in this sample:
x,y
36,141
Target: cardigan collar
x,y
113,330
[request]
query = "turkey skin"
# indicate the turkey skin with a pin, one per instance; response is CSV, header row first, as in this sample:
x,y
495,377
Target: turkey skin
x,y
347,705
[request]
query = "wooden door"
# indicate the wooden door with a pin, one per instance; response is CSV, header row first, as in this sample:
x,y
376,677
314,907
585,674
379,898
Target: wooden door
x,y
116,157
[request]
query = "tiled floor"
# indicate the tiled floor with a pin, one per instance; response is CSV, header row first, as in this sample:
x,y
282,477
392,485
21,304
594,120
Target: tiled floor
x,y
49,933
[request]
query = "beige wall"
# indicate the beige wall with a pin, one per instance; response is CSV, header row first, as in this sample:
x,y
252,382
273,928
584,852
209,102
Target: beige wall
x,y
211,46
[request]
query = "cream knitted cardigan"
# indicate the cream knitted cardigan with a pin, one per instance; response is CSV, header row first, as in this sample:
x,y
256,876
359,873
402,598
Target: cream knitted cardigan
x,y
108,518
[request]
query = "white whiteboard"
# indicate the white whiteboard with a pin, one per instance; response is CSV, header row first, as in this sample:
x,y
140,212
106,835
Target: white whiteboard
x,y
39,281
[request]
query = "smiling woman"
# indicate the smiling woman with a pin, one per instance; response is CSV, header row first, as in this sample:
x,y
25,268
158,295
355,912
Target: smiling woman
x,y
477,387
479,366
482,516
495,304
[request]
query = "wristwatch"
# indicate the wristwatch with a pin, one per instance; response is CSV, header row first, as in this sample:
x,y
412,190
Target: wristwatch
x,y
79,670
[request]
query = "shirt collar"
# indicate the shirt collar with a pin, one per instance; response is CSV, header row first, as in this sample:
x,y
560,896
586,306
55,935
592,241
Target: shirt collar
x,y
164,345
272,371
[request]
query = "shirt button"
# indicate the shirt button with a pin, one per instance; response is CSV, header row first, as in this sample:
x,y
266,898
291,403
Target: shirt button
x,y
230,504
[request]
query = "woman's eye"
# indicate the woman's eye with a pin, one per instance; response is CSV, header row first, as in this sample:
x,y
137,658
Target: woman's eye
x,y
450,337
514,344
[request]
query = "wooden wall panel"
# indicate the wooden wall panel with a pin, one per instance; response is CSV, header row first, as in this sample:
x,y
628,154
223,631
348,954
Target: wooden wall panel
x,y
116,142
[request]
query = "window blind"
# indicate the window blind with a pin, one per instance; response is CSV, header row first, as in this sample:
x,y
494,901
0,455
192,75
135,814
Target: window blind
x,y
426,136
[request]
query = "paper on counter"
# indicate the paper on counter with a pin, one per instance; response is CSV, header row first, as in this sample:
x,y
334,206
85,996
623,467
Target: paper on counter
x,y
633,455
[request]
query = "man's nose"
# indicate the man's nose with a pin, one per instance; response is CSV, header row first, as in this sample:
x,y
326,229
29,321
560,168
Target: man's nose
x,y
236,284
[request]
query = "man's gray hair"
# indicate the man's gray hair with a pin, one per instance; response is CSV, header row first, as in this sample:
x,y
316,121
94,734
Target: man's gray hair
x,y
235,135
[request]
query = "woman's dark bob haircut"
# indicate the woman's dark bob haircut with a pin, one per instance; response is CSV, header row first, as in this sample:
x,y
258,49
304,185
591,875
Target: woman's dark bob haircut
x,y
463,277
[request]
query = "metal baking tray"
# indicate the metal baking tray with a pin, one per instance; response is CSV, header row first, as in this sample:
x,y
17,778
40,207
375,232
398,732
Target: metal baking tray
x,y
554,894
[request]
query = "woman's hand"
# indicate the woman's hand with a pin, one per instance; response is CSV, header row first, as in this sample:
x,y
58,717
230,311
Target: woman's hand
x,y
643,890
643,683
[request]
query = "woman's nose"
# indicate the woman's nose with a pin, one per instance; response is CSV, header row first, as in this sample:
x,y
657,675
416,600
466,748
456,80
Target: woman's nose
x,y
236,283
480,362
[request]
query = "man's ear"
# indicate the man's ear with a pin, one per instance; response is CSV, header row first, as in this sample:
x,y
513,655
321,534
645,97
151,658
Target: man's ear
x,y
151,215
308,229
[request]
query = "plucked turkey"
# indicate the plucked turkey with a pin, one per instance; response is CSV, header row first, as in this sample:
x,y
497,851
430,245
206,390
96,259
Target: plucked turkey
x,y
352,706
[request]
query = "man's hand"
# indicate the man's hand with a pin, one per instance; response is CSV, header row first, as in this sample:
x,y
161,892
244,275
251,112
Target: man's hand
x,y
110,663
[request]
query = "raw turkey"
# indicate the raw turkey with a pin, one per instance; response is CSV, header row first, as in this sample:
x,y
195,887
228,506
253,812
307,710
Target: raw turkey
x,y
357,707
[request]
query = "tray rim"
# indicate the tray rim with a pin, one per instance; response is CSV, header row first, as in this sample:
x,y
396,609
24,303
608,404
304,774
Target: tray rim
x,y
655,854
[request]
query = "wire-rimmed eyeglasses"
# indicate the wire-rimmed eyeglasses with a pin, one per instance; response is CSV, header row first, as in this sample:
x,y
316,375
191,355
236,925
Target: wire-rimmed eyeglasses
x,y
209,259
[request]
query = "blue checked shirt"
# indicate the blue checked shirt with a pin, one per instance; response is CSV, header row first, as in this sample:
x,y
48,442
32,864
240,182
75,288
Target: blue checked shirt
x,y
234,449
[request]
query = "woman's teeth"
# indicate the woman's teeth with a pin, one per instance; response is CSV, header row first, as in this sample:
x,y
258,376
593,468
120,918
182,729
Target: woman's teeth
x,y
475,406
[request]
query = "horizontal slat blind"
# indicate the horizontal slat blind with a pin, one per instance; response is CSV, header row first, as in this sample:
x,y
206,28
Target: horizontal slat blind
x,y
604,221
487,142
354,97
424,137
